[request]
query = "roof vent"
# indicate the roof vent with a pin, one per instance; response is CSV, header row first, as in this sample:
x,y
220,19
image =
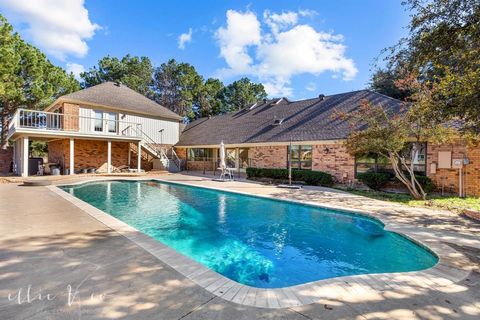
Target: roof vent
x,y
277,122
321,97
117,83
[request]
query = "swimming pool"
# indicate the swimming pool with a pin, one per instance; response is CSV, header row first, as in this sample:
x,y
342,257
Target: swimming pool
x,y
256,241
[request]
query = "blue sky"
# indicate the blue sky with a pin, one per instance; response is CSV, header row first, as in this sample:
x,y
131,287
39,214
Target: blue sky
x,y
296,48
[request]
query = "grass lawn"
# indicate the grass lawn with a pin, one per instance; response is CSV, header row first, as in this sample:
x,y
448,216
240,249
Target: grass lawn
x,y
450,203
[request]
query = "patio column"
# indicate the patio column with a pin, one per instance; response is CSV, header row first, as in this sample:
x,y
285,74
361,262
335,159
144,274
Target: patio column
x,y
109,156
72,155
25,157
129,154
139,156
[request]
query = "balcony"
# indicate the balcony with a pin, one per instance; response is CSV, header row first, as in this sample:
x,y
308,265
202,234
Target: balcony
x,y
51,122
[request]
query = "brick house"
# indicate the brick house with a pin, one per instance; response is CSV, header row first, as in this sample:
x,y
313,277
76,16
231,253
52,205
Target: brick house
x,y
260,135
99,128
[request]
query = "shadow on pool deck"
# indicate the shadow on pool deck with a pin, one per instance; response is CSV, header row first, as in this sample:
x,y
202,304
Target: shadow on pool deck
x,y
129,283
55,245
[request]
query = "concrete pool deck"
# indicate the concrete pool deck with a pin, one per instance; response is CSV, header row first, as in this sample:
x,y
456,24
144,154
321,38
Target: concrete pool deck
x,y
55,247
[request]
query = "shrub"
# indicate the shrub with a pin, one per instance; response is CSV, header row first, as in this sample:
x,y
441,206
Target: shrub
x,y
374,180
315,178
426,183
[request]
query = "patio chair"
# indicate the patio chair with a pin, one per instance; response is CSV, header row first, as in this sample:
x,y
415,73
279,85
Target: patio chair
x,y
227,172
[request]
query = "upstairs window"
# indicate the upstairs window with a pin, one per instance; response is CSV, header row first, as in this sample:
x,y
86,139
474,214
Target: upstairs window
x,y
98,121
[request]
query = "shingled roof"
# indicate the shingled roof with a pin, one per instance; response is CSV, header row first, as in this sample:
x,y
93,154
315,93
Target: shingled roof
x,y
120,97
280,120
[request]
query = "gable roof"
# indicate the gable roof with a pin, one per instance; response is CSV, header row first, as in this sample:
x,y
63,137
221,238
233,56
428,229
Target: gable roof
x,y
119,97
281,120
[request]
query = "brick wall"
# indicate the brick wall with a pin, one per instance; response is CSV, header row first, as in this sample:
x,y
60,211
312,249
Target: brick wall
x,y
147,159
200,165
268,157
194,165
71,117
450,177
70,120
334,159
181,153
6,158
57,150
88,153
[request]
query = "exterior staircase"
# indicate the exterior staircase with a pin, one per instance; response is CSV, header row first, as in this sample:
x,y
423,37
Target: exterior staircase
x,y
167,155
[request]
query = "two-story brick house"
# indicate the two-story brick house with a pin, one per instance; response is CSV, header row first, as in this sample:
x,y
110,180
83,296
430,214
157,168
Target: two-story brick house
x,y
99,128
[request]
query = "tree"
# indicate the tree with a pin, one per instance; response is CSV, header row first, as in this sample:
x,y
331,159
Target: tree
x,y
384,81
134,72
242,93
443,47
210,98
397,134
177,86
28,78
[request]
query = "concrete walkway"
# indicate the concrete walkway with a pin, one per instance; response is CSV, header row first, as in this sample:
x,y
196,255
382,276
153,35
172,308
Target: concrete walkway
x,y
57,262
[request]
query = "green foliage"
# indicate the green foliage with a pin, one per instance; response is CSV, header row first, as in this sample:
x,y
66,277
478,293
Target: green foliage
x,y
242,93
442,50
39,148
426,183
134,72
384,81
210,98
396,135
374,180
178,87
315,178
451,203
27,78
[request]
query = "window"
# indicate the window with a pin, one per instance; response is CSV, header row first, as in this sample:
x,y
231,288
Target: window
x,y
301,157
112,122
378,163
420,159
98,121
199,154
243,160
372,163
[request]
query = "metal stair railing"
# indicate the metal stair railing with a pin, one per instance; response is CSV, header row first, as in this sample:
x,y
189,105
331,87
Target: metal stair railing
x,y
178,162
160,151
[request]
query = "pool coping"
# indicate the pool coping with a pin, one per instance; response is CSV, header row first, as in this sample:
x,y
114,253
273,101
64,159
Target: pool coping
x,y
452,266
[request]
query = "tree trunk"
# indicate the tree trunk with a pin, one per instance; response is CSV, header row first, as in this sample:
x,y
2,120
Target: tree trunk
x,y
411,183
5,122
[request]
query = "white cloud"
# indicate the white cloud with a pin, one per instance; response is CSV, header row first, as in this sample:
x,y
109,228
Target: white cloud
x,y
307,13
57,26
242,31
184,38
283,49
76,69
280,21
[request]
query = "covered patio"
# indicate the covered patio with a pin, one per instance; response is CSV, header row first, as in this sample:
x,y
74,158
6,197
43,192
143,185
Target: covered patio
x,y
65,157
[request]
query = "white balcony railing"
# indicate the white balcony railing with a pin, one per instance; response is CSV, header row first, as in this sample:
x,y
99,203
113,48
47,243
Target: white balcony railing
x,y
59,122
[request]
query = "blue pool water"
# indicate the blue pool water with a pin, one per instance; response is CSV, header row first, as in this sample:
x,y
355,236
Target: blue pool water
x,y
255,241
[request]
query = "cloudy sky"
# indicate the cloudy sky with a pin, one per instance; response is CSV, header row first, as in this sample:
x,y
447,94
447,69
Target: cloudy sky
x,y
297,49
